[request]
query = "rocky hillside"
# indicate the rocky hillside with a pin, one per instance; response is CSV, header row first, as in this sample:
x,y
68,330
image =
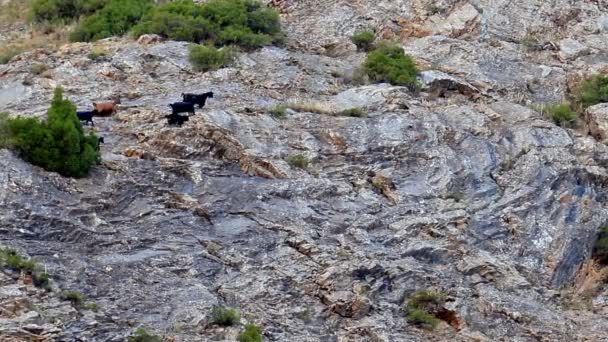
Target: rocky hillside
x,y
462,188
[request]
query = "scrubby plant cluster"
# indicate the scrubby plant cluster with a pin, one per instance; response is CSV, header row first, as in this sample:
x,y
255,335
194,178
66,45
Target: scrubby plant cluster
x,y
389,63
58,144
252,333
142,335
422,307
562,114
205,58
9,258
364,40
116,18
246,23
594,90
63,10
225,316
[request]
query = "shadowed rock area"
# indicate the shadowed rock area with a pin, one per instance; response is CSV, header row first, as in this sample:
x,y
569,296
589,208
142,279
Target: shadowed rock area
x,y
461,187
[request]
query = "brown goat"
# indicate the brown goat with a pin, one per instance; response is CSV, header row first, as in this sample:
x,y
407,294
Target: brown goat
x,y
106,108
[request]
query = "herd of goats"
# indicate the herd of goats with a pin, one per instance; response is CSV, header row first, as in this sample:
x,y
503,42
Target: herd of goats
x,y
177,108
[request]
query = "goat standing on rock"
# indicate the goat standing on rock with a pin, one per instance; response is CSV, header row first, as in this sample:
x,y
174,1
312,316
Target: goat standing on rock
x,y
107,108
87,116
199,99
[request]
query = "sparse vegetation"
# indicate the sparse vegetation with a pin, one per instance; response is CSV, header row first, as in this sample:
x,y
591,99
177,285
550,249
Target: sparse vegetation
x,y
310,107
300,161
246,23
422,307
10,259
252,333
354,112
436,9
7,55
388,63
278,111
97,54
116,18
225,316
75,297
562,114
364,40
142,335
57,144
205,58
38,68
594,90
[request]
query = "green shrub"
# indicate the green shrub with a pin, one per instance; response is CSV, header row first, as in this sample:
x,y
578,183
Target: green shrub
x,y
116,18
594,90
278,111
205,58
421,317
562,114
97,54
252,333
354,112
247,23
38,68
142,335
298,160
5,132
422,306
76,298
9,258
388,63
59,144
364,40
7,55
58,10
225,316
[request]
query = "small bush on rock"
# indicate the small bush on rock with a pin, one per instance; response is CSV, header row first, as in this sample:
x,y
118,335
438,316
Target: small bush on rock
x,y
75,297
9,258
421,307
594,90
354,112
298,160
364,40
7,55
562,114
142,335
388,63
38,68
116,18
97,54
225,316
252,333
205,58
278,111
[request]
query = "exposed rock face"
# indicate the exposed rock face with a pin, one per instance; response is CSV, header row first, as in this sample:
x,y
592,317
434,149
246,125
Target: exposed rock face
x,y
460,188
597,120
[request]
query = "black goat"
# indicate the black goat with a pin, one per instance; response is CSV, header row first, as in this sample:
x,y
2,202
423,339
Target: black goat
x,y
99,141
182,107
87,116
175,119
198,99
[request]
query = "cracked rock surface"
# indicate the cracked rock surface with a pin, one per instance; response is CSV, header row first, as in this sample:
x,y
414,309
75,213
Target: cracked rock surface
x,y
461,188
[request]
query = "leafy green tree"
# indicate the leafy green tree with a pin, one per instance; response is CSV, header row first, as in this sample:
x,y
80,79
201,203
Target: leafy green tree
x,y
59,144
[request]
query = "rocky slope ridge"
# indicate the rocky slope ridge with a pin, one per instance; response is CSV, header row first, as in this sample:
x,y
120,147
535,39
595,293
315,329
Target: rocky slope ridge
x,y
461,188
